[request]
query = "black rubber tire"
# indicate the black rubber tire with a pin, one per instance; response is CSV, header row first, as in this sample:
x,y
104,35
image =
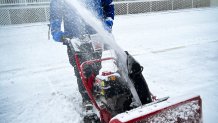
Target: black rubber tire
x,y
91,118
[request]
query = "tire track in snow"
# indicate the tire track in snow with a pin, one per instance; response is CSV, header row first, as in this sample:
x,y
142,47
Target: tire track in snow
x,y
157,51
17,72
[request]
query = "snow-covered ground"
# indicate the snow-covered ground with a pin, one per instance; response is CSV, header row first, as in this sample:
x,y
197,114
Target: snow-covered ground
x,y
178,49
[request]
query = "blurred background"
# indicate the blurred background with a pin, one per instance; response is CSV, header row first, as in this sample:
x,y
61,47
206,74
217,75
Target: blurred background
x,y
33,11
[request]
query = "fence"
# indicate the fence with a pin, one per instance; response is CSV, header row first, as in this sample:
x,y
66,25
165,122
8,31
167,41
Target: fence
x,y
133,7
30,12
22,2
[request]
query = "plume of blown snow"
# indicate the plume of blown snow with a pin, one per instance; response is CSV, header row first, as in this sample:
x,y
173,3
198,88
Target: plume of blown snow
x,y
107,38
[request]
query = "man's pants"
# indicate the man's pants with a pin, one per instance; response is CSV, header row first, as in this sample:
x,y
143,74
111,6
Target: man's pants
x,y
96,68
81,87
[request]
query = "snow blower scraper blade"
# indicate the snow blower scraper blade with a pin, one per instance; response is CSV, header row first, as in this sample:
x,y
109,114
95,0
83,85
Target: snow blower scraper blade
x,y
184,109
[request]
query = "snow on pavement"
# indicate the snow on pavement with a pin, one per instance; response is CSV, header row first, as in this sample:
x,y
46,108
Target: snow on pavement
x,y
178,49
179,52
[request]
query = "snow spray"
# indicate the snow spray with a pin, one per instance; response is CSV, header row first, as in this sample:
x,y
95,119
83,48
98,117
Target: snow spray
x,y
107,38
92,20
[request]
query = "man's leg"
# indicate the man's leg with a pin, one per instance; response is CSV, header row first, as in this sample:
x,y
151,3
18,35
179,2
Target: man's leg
x,y
81,87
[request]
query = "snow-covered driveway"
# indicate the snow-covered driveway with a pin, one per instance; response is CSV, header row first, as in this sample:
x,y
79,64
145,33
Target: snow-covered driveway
x,y
178,49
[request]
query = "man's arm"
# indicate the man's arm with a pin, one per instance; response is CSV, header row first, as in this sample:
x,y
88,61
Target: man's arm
x,y
108,11
56,19
108,8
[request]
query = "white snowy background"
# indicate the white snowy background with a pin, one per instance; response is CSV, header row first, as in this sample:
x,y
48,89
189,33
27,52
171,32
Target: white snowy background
x,y
178,49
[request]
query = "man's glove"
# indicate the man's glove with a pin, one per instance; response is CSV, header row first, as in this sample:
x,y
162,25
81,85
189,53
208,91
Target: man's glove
x,y
66,41
58,36
108,24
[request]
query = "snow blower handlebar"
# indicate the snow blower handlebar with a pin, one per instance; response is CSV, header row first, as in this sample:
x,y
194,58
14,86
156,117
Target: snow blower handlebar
x,y
92,62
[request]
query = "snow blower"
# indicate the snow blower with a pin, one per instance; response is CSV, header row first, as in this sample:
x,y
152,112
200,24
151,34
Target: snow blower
x,y
119,91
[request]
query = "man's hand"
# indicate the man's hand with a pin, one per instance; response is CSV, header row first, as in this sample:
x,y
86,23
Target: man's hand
x,y
61,37
65,41
58,36
108,24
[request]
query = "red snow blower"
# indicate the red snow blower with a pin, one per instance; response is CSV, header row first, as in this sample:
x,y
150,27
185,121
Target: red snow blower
x,y
120,93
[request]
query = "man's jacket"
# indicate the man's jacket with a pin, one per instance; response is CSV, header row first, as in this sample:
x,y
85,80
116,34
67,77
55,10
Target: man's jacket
x,y
74,26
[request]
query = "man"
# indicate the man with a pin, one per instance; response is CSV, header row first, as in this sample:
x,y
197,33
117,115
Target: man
x,y
75,26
